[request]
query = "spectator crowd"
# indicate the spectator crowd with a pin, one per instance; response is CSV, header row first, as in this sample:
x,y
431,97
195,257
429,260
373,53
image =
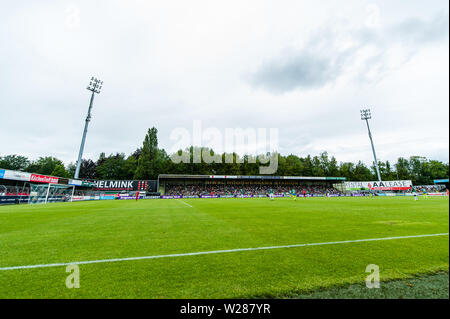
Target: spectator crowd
x,y
252,190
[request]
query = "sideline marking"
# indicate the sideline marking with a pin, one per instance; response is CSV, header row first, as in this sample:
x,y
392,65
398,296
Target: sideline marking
x,y
185,203
215,252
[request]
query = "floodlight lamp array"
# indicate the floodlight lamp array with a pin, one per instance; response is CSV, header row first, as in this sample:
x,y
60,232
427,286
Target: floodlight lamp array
x,y
365,114
95,85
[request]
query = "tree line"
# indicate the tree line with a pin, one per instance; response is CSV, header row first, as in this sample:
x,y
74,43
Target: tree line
x,y
148,161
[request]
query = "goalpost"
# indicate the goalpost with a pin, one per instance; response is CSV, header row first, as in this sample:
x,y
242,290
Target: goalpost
x,y
50,193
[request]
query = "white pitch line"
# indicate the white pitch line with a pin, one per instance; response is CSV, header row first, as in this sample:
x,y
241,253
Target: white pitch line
x,y
216,252
185,203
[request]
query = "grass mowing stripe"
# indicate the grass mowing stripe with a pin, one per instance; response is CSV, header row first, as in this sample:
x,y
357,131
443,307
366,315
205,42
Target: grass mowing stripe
x,y
217,252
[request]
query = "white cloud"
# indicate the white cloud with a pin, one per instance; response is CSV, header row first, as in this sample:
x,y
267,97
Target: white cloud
x,y
166,64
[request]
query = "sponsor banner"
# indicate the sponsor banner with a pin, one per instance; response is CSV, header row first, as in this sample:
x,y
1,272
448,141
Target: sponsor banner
x,y
107,197
43,179
251,177
276,177
113,185
437,194
131,197
222,177
170,197
194,196
82,198
304,178
152,197
379,186
16,175
75,182
13,199
2,173
87,184
81,183
209,196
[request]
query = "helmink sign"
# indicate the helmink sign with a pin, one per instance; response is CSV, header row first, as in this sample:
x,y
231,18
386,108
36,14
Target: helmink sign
x,y
118,185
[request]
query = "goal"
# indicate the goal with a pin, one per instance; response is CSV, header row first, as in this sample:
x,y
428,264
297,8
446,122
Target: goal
x,y
50,193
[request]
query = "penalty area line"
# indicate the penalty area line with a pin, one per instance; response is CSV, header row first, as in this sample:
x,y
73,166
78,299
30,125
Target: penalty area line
x,y
216,252
185,203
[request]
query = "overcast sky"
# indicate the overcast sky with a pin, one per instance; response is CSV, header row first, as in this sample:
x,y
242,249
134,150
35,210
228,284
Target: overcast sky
x,y
299,66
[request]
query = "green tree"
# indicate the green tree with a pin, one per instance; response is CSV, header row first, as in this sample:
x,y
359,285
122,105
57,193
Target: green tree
x,y
87,169
347,170
402,169
71,169
324,162
111,167
333,169
294,166
44,165
60,171
416,167
362,172
146,166
129,167
307,166
317,167
14,162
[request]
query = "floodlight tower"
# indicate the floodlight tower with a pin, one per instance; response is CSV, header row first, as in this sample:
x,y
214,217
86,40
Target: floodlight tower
x,y
366,116
94,86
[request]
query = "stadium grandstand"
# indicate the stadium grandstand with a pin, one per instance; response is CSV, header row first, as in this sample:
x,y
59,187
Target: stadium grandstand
x,y
247,186
18,187
442,183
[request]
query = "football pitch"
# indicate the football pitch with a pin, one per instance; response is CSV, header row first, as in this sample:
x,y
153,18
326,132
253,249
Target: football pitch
x,y
217,248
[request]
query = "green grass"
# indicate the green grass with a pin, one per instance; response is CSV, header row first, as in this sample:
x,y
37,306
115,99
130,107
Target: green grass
x,y
68,232
430,286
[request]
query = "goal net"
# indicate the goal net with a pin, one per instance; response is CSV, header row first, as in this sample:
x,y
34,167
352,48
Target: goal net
x,y
49,193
